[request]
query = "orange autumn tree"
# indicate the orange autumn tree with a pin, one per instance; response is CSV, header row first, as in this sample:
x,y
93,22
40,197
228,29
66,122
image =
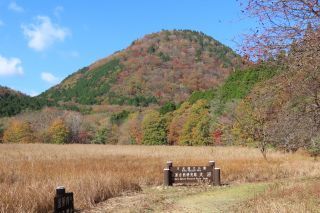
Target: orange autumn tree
x,y
58,132
135,131
18,132
178,119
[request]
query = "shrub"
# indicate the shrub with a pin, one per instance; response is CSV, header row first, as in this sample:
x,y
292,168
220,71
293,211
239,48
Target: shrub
x,y
118,118
167,107
101,136
58,132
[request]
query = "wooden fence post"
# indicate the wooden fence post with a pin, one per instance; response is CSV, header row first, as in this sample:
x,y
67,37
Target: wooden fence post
x,y
63,202
167,174
212,164
60,190
217,177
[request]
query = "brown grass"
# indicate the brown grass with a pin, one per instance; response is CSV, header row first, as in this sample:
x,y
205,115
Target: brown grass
x,y
30,173
286,197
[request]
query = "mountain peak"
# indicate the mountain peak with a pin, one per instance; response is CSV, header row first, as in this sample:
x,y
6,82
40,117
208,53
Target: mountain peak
x,y
160,67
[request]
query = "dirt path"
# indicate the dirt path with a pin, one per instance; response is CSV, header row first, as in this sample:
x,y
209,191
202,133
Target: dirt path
x,y
182,199
219,200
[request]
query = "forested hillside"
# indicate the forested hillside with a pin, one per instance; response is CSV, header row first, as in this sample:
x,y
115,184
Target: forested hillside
x,y
13,102
209,100
160,67
206,117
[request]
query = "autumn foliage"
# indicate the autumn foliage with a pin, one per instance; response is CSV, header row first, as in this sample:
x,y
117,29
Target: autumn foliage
x,y
58,132
158,68
154,129
180,99
18,132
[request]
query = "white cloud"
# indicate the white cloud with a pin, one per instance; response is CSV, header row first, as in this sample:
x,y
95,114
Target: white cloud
x,y
1,23
44,33
15,7
50,78
33,93
10,66
57,11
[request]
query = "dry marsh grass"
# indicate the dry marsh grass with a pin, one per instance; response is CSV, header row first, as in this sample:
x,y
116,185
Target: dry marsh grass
x,y
30,173
286,197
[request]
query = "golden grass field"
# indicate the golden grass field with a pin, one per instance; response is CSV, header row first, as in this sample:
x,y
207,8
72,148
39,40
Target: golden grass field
x,y
292,196
29,173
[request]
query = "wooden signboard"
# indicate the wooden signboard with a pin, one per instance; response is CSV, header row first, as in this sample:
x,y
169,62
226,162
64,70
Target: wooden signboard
x,y
63,202
191,174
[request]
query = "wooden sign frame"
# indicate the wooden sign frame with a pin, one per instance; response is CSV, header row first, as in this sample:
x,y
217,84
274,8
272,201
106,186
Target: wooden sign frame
x,y
191,174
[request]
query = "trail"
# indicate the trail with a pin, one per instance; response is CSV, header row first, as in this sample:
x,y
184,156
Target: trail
x,y
219,200
182,199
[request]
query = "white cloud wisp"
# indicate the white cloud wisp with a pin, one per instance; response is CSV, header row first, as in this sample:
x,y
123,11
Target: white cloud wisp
x,y
49,77
44,33
15,7
10,66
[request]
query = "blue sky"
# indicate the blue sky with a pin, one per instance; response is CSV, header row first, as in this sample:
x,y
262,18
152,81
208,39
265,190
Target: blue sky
x,y
42,42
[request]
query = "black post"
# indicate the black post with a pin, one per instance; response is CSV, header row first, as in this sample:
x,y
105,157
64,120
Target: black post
x,y
63,202
212,164
60,190
169,164
167,174
217,181
58,203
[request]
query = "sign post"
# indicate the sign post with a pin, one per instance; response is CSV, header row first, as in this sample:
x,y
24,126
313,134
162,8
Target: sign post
x,y
216,178
167,174
213,165
63,202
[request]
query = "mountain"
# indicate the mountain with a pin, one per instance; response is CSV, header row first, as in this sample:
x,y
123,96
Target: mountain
x,y
158,68
13,102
